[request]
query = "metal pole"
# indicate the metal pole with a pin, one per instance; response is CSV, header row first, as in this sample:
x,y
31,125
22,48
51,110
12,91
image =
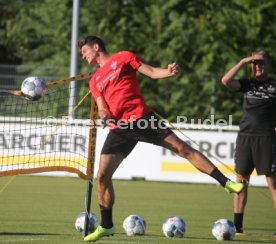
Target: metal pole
x,y
74,55
90,163
87,207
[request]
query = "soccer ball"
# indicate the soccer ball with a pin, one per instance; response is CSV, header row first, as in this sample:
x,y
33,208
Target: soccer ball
x,y
134,225
33,88
174,226
80,219
224,229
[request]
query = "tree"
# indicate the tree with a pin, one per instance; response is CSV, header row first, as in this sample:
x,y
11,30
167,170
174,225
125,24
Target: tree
x,y
205,37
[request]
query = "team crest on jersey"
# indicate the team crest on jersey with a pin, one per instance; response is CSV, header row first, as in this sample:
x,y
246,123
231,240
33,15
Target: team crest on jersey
x,y
271,89
114,65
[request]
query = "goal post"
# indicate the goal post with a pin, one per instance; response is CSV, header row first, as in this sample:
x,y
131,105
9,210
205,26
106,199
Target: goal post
x,y
40,136
90,165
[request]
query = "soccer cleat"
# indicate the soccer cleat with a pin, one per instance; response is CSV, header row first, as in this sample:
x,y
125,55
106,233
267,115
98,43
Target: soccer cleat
x,y
232,187
240,232
99,233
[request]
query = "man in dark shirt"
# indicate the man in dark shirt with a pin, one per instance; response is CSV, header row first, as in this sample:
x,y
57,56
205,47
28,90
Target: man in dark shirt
x,y
256,143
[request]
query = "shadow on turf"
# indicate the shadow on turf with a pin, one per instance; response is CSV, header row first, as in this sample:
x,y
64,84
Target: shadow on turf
x,y
235,240
262,229
207,239
27,234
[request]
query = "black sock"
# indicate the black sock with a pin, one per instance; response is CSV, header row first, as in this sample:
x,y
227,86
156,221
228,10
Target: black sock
x,y
217,175
106,215
238,221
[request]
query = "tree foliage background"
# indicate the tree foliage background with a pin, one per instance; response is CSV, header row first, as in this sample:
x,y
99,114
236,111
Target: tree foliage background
x,y
205,37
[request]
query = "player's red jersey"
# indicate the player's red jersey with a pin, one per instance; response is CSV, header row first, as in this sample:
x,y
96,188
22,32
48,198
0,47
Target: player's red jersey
x,y
117,83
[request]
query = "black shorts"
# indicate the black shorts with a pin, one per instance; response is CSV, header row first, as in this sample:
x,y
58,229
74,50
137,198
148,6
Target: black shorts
x,y
146,129
255,152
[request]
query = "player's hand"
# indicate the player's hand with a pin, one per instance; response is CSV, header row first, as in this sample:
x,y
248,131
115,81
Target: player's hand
x,y
104,121
173,68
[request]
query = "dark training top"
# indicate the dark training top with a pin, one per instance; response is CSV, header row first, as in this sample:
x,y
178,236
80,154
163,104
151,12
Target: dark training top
x,y
259,106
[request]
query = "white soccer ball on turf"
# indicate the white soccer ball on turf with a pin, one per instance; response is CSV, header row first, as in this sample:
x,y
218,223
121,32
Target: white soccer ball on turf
x,y
134,225
224,229
174,226
80,220
33,88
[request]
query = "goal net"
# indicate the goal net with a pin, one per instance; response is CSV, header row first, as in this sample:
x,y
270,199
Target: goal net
x,y
45,135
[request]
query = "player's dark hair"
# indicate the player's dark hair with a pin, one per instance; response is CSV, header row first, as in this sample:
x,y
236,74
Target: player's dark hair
x,y
91,40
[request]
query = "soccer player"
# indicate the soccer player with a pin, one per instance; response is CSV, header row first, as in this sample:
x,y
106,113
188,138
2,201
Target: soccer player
x,y
256,141
121,105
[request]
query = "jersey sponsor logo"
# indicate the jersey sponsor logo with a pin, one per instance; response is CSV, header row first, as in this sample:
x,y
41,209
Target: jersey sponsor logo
x,y
261,92
110,76
98,77
100,86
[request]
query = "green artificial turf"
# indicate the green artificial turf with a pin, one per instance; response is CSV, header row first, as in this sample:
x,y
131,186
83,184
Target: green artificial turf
x,y
39,209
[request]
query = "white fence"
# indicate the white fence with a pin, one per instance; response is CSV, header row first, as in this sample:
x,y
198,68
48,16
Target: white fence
x,y
155,163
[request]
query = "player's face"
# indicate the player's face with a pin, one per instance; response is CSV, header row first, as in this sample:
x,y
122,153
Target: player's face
x,y
260,66
89,54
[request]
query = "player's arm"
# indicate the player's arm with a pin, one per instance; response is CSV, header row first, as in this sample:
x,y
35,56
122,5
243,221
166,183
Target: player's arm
x,y
103,111
157,73
102,107
228,79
